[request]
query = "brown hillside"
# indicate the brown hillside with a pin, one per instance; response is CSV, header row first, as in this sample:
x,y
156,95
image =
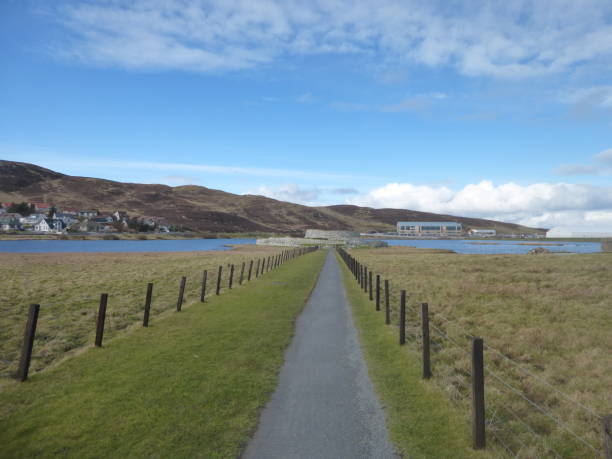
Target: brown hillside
x,y
204,209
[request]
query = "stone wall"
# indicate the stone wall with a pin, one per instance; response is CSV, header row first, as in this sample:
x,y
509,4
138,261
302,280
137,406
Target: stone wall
x,y
333,235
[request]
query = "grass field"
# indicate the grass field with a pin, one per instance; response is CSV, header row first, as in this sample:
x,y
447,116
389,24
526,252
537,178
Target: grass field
x,y
551,314
191,385
68,288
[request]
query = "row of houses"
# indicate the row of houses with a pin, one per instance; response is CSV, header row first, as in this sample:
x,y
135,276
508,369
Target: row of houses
x,y
60,220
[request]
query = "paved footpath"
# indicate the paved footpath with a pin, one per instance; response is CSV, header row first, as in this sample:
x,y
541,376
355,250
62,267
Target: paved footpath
x,y
324,405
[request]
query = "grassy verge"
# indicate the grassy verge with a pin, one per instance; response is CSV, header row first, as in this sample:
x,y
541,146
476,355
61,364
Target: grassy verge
x,y
421,422
68,287
190,385
548,313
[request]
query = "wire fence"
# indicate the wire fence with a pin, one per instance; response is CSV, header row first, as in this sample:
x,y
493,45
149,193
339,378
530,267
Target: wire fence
x,y
526,415
123,305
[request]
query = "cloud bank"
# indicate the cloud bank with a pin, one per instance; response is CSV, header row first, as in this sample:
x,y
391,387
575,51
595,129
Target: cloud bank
x,y
539,205
494,38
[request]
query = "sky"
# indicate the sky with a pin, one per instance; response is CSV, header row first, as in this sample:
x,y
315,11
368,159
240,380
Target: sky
x,y
489,109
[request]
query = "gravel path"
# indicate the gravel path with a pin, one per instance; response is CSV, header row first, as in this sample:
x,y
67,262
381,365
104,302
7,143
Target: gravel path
x,y
324,405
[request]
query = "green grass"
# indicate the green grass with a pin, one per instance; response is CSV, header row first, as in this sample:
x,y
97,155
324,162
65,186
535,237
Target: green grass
x,y
422,423
191,385
68,286
550,313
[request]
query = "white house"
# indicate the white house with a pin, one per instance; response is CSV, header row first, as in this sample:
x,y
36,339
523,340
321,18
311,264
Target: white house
x,y
42,226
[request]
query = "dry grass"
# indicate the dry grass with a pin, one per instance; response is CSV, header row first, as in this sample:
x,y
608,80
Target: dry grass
x,y
550,313
68,287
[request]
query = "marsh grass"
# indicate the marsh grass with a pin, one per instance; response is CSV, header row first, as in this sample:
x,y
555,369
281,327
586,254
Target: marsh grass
x,y
68,287
551,315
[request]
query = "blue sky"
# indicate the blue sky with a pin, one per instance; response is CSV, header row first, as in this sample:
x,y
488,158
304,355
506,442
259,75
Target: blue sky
x,y
490,109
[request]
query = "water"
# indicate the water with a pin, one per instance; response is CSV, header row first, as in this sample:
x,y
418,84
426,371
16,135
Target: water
x,y
497,247
189,245
176,245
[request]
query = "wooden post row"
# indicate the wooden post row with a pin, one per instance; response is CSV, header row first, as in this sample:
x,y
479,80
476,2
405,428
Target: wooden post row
x,y
101,319
402,320
478,395
147,308
387,305
426,343
219,274
203,291
378,292
179,301
28,342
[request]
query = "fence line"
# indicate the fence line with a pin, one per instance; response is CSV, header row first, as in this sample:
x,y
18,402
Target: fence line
x,y
104,316
358,270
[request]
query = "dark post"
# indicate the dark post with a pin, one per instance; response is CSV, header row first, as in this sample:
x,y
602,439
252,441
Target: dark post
x,y
219,279
607,436
478,396
387,305
28,343
101,318
365,279
145,319
231,279
250,270
257,270
370,286
179,302
425,332
241,273
402,323
203,291
378,292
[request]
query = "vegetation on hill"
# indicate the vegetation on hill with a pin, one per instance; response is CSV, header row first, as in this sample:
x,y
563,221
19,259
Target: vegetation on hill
x,y
203,209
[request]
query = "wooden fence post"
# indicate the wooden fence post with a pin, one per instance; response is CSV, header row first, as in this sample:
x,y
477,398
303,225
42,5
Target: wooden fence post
x,y
231,279
147,308
257,270
365,279
179,301
203,291
370,286
425,334
387,305
28,342
378,292
402,320
607,436
101,319
478,395
241,274
219,274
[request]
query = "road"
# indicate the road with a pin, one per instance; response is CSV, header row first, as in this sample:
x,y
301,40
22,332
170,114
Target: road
x,y
324,405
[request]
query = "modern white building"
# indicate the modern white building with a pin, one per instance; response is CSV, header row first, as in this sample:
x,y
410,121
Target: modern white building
x,y
429,228
579,232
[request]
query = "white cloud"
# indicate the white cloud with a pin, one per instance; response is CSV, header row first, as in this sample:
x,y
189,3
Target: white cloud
x,y
289,192
497,38
540,204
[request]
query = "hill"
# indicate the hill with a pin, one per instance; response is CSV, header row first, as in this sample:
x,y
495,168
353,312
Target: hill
x,y
204,209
